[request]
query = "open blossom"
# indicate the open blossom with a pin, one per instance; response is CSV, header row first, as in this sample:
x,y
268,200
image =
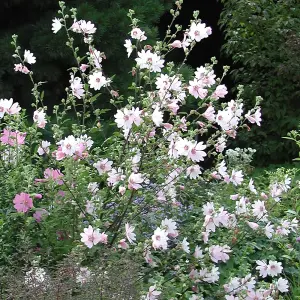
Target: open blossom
x,y
129,233
134,181
193,171
39,117
91,237
196,152
236,177
20,68
97,81
127,117
83,27
7,106
196,89
219,253
209,114
220,92
153,293
150,61
185,245
29,58
170,227
56,25
77,87
269,230
199,31
272,269
138,34
12,138
282,285
128,46
103,166
160,239
44,148
22,202
254,118
115,176
259,209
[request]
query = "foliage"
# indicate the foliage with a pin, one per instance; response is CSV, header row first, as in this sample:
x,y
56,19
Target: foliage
x,y
263,38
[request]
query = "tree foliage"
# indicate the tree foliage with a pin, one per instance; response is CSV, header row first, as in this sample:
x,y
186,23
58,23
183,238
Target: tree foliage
x,y
263,39
32,22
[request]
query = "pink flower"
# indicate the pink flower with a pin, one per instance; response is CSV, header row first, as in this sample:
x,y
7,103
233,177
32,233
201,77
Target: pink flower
x,y
12,138
39,214
209,114
91,237
22,202
176,44
196,152
220,92
196,89
253,225
54,174
123,244
153,293
83,67
103,166
134,181
39,117
219,253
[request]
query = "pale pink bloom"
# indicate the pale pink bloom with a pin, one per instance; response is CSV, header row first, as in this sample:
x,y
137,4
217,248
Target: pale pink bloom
x,y
29,58
230,297
115,176
129,233
77,86
138,34
44,148
83,27
22,202
40,214
12,138
176,44
161,196
212,276
274,268
160,239
254,118
199,31
153,293
58,154
127,117
39,117
170,227
134,181
128,46
38,196
220,92
157,117
56,25
205,236
68,145
18,67
198,253
262,267
103,166
241,206
97,81
263,196
103,238
196,152
193,171
7,106
209,223
209,114
150,61
208,208
269,230
83,67
183,146
53,174
282,285
25,70
122,190
196,89
253,225
185,245
91,237
259,209
222,217
221,144
219,253
206,76
222,169
234,197
236,177
215,175
255,295
122,244
90,207
96,57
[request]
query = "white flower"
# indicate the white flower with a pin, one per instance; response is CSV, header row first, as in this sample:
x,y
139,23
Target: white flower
x,y
84,27
56,25
262,267
128,46
44,148
76,87
185,245
39,117
29,58
134,181
274,268
103,166
282,285
199,31
150,61
252,187
157,117
170,226
97,81
68,145
193,171
269,230
160,239
129,233
138,34
236,177
259,209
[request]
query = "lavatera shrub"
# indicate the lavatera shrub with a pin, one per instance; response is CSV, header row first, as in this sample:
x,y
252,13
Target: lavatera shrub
x,y
139,197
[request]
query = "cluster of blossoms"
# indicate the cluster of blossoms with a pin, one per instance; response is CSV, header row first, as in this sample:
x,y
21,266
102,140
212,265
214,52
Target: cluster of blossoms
x,y
134,189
